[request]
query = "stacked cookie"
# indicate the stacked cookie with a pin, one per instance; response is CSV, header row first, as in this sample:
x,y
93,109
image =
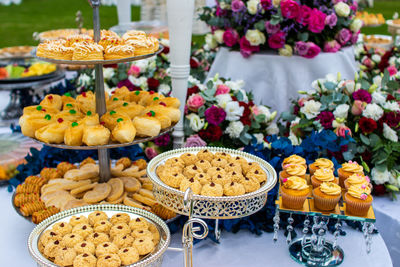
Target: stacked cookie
x,y
98,240
74,122
210,174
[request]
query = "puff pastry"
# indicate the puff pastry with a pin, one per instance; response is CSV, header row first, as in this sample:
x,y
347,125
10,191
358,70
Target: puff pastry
x,y
90,119
130,109
96,135
173,113
124,131
172,102
110,118
53,101
30,123
149,99
147,126
74,134
69,115
87,101
53,133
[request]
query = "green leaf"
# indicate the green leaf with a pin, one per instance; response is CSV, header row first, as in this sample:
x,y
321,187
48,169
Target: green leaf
x,y
210,84
374,139
365,139
330,86
302,36
386,78
201,111
260,25
348,155
287,116
239,96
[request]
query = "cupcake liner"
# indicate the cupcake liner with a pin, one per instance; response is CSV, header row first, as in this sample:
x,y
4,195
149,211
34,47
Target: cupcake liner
x,y
293,202
311,170
325,204
357,208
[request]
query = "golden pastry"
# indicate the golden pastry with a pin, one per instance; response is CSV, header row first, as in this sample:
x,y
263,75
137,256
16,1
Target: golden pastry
x,y
110,118
88,51
53,133
110,40
124,131
134,34
119,51
96,135
31,123
73,40
53,101
172,102
73,134
87,101
147,125
130,109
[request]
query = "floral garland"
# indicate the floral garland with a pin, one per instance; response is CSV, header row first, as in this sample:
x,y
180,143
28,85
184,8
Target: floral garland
x,y
288,26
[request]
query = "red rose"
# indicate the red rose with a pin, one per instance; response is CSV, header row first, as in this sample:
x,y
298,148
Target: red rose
x,y
390,97
384,63
367,125
192,90
277,40
366,156
212,133
194,63
392,119
379,189
230,37
165,50
153,83
245,119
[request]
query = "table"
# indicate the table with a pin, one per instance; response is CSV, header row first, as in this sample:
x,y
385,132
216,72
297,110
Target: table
x,y
241,249
275,79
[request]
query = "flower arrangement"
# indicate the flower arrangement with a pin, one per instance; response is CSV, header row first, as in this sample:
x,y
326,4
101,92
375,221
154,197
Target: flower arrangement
x,y
369,112
302,27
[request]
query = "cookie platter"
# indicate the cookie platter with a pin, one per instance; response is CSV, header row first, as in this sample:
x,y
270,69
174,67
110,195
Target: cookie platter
x,y
154,258
102,62
224,207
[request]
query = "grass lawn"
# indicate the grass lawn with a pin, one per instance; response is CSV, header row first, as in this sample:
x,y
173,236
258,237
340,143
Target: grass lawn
x,y
18,22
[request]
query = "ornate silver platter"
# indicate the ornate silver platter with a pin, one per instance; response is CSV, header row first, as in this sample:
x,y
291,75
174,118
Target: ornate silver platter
x,y
152,260
102,62
211,207
111,145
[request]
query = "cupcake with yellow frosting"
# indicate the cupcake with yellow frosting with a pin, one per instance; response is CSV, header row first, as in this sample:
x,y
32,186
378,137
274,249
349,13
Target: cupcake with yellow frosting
x,y
293,170
358,200
326,196
320,163
347,170
294,191
293,159
323,175
358,180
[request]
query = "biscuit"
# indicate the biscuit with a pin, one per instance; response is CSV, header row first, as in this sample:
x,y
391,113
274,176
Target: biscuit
x,y
65,256
51,248
188,158
106,248
99,192
131,184
117,189
102,226
62,228
109,260
120,217
70,240
85,247
82,229
144,245
119,228
85,260
219,162
205,155
123,240
97,238
212,189
194,184
128,255
82,189
234,189
77,220
96,216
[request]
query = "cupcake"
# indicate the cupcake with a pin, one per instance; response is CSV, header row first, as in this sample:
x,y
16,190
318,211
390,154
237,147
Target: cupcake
x,y
294,192
323,175
358,200
320,164
293,170
293,159
358,180
326,196
347,170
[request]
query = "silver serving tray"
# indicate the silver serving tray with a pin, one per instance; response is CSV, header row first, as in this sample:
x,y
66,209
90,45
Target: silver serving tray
x,y
102,62
211,207
152,259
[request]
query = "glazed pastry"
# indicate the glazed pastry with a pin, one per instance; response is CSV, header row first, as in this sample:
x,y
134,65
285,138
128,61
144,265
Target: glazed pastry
x,y
134,34
110,119
130,109
53,101
124,131
53,133
173,113
96,135
73,134
87,51
60,52
78,38
38,109
172,102
87,101
114,103
69,115
142,46
147,125
90,119
110,41
119,51
31,123
136,96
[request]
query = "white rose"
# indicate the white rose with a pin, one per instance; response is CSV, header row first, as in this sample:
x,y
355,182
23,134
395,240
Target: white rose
x,y
286,51
310,109
210,41
259,137
294,139
252,6
108,73
235,85
272,129
389,133
164,89
350,86
318,85
342,9
84,80
356,25
392,106
373,111
276,3
392,61
218,35
380,177
255,37
378,98
234,129
331,78
224,99
196,123
394,178
376,58
233,111
341,111
377,80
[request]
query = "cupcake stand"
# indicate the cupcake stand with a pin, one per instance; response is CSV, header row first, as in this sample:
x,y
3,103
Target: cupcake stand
x,y
313,249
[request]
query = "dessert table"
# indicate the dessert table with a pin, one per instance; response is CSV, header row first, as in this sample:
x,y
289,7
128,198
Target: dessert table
x,y
275,79
252,250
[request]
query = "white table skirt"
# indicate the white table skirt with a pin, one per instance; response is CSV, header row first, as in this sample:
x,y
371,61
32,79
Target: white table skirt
x,y
241,249
275,80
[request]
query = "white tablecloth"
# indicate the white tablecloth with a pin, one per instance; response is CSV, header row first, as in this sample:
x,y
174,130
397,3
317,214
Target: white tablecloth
x,y
241,249
275,80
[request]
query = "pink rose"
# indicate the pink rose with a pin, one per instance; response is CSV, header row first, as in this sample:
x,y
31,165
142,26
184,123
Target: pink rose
x,y
134,70
344,36
272,29
195,101
331,20
357,108
255,110
195,141
277,40
354,38
332,46
368,63
313,50
301,102
246,49
304,15
316,21
290,9
342,131
222,89
237,5
150,152
230,37
301,48
392,70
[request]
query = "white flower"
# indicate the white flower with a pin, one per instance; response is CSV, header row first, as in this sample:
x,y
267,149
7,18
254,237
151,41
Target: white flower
x,y
252,6
376,58
218,36
392,60
342,9
286,51
196,123
234,129
141,82
392,106
356,25
164,42
310,109
272,129
235,85
224,5
259,137
211,41
341,111
378,98
255,37
294,139
331,78
164,89
389,133
377,80
394,178
84,80
373,111
223,100
233,111
380,177
193,81
350,86
267,113
318,85
108,73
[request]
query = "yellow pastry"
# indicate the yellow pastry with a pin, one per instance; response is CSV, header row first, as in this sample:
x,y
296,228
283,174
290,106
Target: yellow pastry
x,y
149,99
88,51
87,101
130,109
69,115
173,113
53,101
31,123
90,119
96,135
53,133
110,118
124,131
110,40
119,51
78,38
142,46
147,125
133,34
172,102
73,134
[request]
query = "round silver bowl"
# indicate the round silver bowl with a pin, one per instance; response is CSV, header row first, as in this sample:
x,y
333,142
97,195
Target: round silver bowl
x,y
152,260
211,207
